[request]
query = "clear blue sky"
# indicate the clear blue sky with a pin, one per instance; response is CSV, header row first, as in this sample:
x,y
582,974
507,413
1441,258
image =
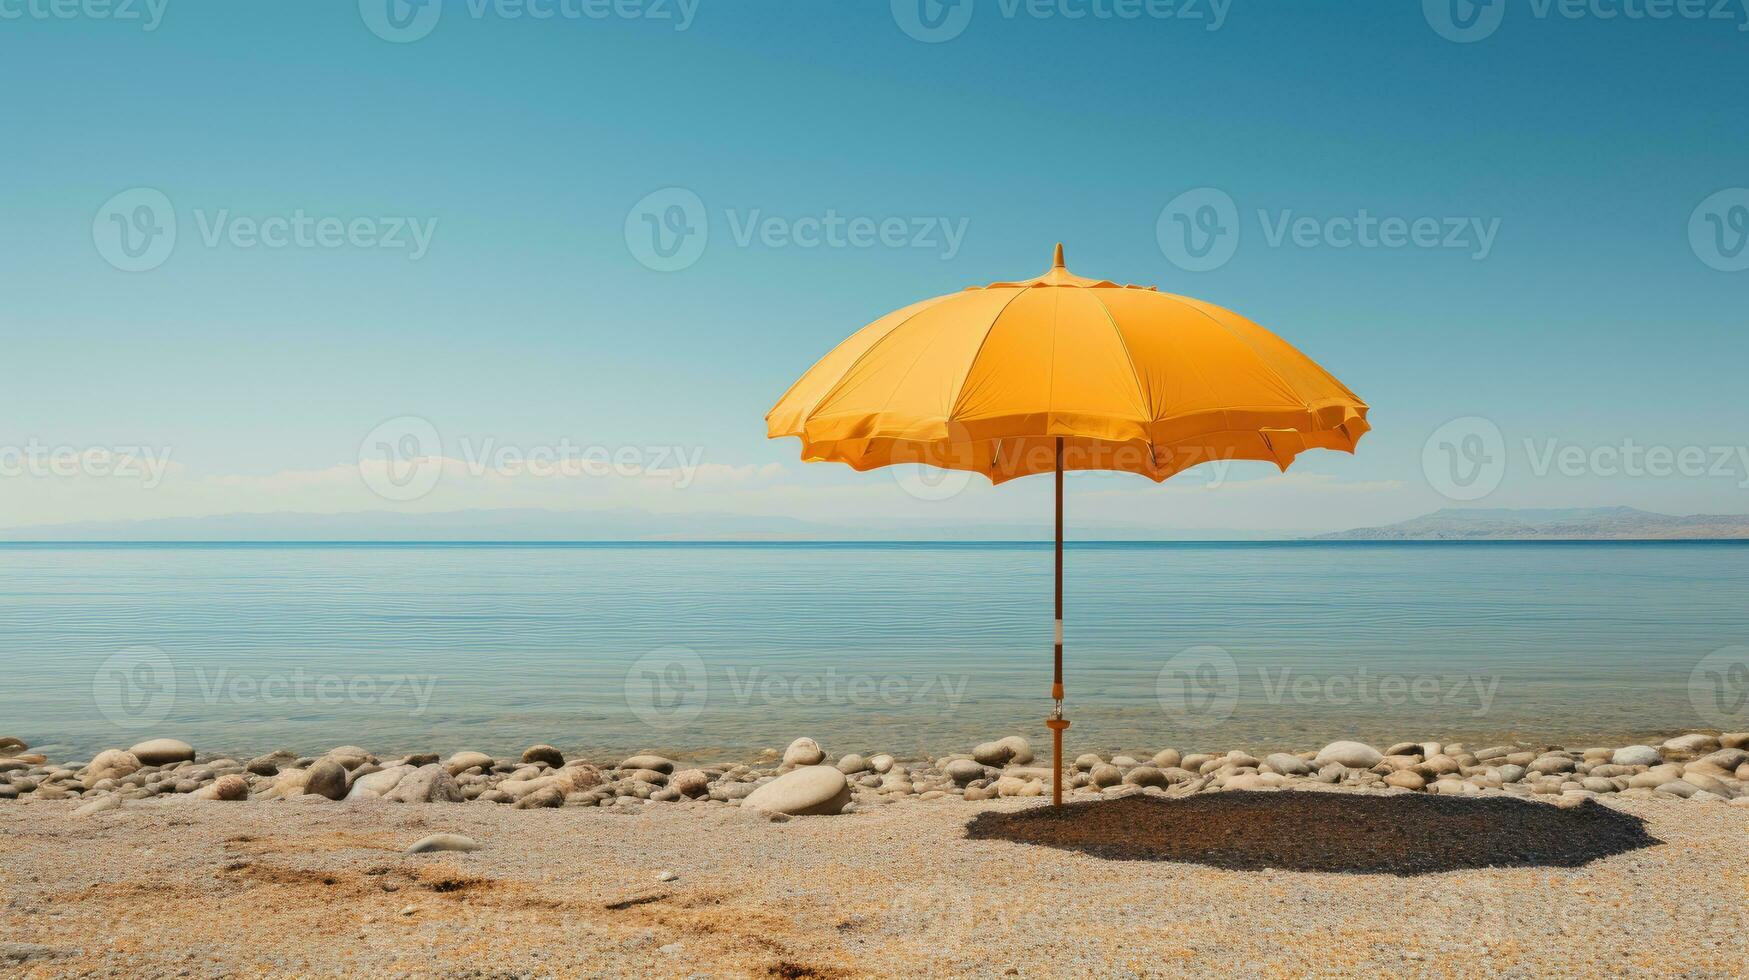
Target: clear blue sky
x,y
1586,143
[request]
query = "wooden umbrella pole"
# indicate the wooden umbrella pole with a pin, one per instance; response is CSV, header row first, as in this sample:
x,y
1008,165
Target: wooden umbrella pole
x,y
1056,722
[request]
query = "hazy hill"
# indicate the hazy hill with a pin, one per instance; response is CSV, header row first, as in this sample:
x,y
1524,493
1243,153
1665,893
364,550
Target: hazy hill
x,y
1569,523
581,525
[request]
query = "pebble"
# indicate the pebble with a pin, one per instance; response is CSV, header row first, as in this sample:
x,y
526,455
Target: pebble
x,y
804,752
1354,755
1549,765
809,790
996,754
544,753
691,782
963,771
1147,776
228,788
373,785
1695,744
1103,775
98,805
426,784
326,778
162,752
463,761
110,764
1287,764
1021,748
1406,779
444,842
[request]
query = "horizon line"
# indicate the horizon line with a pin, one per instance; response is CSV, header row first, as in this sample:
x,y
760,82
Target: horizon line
x,y
835,542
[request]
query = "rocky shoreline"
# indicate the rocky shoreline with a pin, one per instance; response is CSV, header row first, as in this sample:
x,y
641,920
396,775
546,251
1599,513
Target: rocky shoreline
x,y
1700,767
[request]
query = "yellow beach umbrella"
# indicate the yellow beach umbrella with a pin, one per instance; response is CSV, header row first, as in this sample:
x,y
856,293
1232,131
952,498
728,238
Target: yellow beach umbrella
x,y
1062,372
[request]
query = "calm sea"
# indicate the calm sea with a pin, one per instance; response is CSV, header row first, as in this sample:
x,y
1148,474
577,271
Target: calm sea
x,y
721,650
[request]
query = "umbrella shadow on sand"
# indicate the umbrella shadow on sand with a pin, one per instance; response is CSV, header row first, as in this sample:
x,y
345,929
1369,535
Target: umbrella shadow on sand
x,y
1346,833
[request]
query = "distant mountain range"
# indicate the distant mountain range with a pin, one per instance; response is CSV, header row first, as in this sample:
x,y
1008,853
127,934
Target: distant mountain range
x,y
1554,524
530,524
1452,524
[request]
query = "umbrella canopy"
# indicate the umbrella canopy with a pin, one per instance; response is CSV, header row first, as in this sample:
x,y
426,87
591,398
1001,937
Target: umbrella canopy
x,y
1131,378
1065,372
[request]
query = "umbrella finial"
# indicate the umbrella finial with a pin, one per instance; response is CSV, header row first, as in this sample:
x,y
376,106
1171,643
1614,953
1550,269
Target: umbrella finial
x,y
1057,260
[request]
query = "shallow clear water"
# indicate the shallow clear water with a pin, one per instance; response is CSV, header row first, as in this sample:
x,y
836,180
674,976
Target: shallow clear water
x,y
720,650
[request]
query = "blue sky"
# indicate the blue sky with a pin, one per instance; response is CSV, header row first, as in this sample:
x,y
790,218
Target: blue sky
x,y
1564,154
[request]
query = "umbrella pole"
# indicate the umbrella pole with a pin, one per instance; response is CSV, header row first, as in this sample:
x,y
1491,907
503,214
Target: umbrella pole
x,y
1056,722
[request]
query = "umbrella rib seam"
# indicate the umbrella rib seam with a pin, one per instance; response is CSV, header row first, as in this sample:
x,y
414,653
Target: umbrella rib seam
x,y
853,365
1146,410
1193,305
971,365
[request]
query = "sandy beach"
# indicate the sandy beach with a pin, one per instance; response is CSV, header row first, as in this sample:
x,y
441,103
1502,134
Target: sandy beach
x,y
1420,859
264,888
